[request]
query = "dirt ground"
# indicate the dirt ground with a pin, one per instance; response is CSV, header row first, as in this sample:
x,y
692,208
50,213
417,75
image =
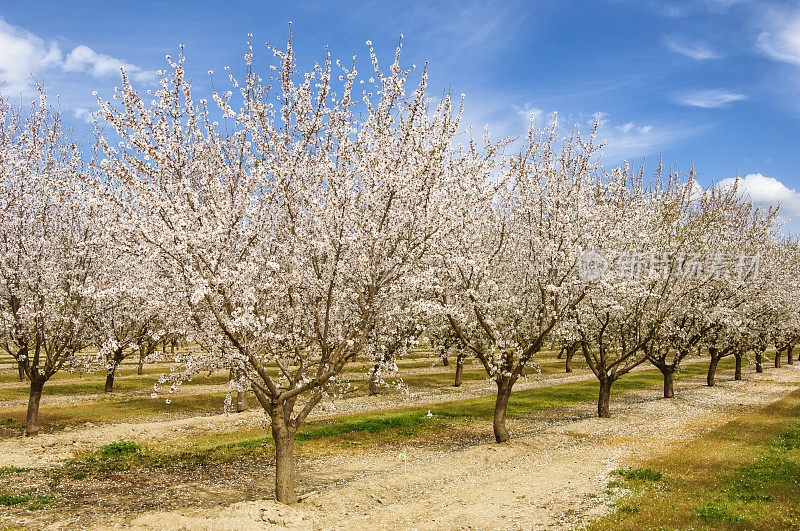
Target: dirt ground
x,y
553,474
50,448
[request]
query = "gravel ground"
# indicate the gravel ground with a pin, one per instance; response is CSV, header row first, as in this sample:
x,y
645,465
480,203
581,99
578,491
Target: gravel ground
x,y
49,448
552,475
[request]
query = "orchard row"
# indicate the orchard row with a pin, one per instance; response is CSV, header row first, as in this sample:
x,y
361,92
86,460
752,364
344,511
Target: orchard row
x,y
301,219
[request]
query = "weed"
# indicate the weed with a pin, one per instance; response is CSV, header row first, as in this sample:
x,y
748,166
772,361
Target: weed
x,y
10,500
638,474
40,502
750,480
119,449
711,512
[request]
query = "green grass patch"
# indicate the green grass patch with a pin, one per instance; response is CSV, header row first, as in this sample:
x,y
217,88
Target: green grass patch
x,y
8,470
716,512
33,502
119,449
10,500
638,474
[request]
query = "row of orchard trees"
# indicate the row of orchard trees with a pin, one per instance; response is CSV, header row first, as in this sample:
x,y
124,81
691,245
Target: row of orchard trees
x,y
303,219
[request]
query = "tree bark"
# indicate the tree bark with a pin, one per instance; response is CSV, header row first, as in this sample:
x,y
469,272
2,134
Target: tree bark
x,y
21,370
568,363
241,401
445,361
241,396
737,375
604,398
140,368
32,417
759,366
500,407
111,372
110,380
777,359
789,358
669,389
711,377
459,371
284,459
373,381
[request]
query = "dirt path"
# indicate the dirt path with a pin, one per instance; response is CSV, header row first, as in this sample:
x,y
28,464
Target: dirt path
x,y
49,448
552,475
187,388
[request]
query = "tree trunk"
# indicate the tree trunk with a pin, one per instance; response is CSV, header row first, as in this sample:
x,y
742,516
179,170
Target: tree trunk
x,y
777,359
570,353
373,381
241,401
737,375
445,361
759,367
500,406
711,377
109,381
32,418
789,358
669,390
284,460
111,372
604,398
241,396
459,371
21,370
140,368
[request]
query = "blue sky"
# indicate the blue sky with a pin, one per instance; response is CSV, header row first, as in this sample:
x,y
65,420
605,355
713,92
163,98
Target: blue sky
x,y
714,82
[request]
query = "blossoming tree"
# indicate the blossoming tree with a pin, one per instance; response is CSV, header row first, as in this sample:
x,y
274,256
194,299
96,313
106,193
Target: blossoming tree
x,y
290,227
51,241
508,271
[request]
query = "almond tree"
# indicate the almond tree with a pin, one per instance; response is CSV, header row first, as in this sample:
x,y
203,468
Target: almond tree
x,y
292,226
787,329
127,321
509,269
625,310
395,331
722,238
50,243
445,341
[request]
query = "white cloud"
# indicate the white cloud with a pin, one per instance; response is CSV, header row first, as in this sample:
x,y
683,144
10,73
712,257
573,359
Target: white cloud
x,y
697,190
631,140
766,191
696,50
782,40
23,54
531,114
710,99
622,141
84,114
84,59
